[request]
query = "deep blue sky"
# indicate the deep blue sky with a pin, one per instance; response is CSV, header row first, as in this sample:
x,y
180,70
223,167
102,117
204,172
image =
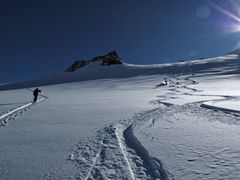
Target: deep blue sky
x,y
40,37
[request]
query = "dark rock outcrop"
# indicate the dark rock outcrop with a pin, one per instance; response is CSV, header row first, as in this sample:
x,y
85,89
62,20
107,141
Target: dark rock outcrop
x,y
110,58
76,65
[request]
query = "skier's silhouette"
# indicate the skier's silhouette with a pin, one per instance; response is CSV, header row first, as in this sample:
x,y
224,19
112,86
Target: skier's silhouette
x,y
35,94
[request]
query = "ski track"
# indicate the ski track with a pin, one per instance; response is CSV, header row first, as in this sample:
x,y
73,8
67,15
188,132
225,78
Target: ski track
x,y
220,157
94,163
180,86
5,118
116,153
123,149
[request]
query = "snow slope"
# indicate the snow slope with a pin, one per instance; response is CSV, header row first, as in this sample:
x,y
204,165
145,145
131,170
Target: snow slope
x,y
122,122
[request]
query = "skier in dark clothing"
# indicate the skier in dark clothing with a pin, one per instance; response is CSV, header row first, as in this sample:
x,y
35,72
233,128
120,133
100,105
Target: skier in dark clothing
x,y
35,94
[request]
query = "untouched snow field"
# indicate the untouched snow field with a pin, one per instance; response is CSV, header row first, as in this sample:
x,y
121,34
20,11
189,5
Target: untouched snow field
x,y
123,122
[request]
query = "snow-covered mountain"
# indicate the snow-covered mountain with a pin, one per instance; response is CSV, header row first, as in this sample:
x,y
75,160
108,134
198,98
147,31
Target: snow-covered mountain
x,y
122,121
84,70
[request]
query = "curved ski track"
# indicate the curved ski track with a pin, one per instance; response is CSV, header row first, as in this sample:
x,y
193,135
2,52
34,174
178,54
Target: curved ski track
x,y
116,153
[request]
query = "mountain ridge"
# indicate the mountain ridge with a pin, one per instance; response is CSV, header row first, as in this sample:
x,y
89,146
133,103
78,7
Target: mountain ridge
x,y
108,59
95,69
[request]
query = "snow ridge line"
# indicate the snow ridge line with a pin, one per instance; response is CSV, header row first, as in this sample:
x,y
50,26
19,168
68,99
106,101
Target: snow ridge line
x,y
124,153
18,109
219,108
94,162
153,166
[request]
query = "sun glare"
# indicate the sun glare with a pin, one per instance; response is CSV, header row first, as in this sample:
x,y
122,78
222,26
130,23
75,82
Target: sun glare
x,y
233,14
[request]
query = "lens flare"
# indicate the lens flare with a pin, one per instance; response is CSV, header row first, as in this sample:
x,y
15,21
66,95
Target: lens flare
x,y
233,14
203,12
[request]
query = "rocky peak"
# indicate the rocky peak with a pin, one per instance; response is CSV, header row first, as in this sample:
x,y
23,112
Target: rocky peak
x,y
76,65
110,58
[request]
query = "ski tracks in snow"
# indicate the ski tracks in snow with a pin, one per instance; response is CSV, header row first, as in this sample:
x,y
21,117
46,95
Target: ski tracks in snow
x,y
11,115
115,153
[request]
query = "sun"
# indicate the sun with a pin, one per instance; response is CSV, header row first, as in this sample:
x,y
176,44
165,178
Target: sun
x,y
233,14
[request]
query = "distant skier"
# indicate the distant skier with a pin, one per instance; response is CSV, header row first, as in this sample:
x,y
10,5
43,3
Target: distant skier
x,y
164,83
35,94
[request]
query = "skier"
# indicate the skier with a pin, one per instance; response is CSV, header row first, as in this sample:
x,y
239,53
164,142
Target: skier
x,y
35,94
164,83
